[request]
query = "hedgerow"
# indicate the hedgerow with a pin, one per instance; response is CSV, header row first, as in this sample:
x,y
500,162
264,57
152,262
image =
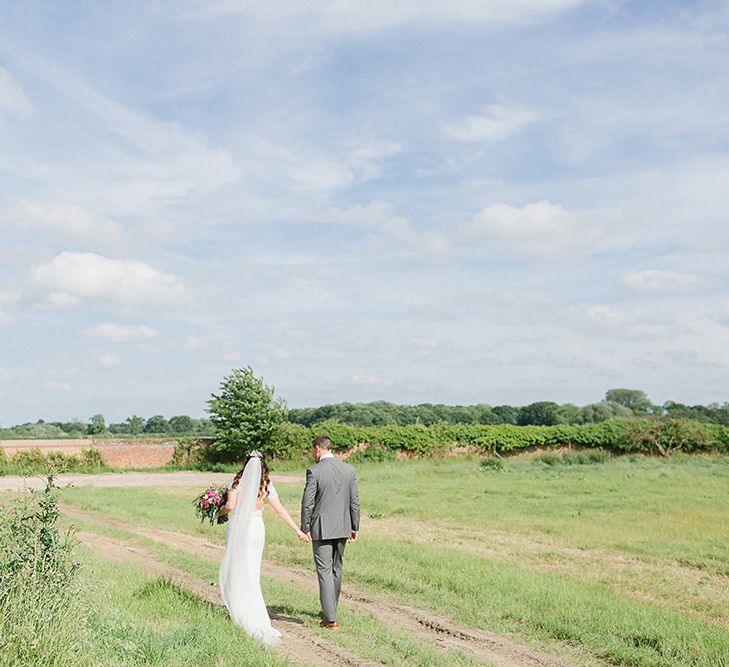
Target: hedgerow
x,y
658,436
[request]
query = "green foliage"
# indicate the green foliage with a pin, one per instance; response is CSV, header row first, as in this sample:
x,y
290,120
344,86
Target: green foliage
x,y
644,436
666,436
97,425
634,399
60,462
181,424
32,459
578,457
157,424
92,458
293,442
135,424
376,453
41,605
544,413
246,416
492,464
187,451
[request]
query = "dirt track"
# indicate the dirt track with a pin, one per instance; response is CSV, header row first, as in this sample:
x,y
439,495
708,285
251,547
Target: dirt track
x,y
133,479
300,644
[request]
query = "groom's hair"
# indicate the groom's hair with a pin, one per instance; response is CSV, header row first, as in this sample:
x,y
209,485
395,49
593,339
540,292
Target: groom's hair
x,y
322,442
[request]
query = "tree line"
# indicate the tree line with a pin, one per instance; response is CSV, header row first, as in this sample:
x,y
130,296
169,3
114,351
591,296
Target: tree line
x,y
619,403
157,425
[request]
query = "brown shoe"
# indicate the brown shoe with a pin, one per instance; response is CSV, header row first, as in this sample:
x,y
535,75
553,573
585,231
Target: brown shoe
x,y
332,625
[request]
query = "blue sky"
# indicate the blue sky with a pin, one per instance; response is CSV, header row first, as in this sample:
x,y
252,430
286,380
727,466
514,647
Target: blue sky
x,y
451,202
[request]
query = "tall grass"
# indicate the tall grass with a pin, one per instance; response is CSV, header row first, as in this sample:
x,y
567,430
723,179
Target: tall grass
x,y
42,611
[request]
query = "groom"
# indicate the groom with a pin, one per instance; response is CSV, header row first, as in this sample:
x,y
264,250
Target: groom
x,y
329,516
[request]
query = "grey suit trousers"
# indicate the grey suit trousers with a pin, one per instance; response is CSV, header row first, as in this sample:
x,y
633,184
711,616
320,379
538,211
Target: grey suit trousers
x,y
329,555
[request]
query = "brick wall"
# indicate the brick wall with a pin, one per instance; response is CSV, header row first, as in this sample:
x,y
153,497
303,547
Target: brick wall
x,y
122,453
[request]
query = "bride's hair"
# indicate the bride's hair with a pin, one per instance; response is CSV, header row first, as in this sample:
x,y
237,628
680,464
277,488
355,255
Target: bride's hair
x,y
263,489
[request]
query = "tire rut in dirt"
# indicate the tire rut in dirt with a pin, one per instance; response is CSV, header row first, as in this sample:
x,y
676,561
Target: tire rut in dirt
x,y
497,649
299,645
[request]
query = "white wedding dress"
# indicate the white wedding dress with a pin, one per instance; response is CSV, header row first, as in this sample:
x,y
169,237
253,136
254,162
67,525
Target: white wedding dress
x,y
240,571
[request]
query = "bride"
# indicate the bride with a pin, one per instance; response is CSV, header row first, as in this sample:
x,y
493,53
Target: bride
x,y
240,571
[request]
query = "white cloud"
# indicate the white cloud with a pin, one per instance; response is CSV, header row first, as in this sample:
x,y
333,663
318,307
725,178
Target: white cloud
x,y
371,380
346,16
5,376
278,355
193,344
230,353
6,318
651,280
377,149
12,97
309,170
621,323
61,300
52,385
380,216
9,297
109,360
497,123
120,333
365,159
72,276
423,346
71,220
542,230
605,316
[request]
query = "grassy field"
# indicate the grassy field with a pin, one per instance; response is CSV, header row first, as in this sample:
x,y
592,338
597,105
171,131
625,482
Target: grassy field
x,y
623,562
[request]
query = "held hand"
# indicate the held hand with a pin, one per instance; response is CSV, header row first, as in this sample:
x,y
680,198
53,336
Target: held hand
x,y
302,536
354,536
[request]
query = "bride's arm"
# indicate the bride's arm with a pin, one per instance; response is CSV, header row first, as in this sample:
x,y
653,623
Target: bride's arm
x,y
286,517
229,503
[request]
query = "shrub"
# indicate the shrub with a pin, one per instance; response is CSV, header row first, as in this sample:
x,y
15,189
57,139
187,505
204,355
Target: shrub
x,y
60,462
492,464
32,459
186,451
41,602
582,457
666,436
374,454
92,458
293,442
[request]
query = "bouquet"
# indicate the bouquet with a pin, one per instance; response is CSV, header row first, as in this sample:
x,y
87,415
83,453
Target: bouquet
x,y
209,503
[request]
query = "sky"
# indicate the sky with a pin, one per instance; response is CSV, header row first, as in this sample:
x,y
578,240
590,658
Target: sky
x,y
458,202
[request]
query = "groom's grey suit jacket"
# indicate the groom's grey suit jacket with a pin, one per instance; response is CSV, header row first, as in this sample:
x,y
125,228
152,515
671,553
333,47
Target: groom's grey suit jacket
x,y
330,505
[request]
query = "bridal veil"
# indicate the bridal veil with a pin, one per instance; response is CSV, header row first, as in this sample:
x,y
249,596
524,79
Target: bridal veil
x,y
240,571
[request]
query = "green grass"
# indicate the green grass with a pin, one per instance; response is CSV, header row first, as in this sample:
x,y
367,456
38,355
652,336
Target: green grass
x,y
365,635
626,558
138,619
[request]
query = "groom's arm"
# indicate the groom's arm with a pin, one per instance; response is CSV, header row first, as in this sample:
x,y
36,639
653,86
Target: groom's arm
x,y
307,501
354,503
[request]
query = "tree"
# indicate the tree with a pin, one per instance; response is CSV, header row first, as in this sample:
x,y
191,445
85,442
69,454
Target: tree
x,y
543,413
245,415
507,414
568,413
96,425
181,424
157,424
634,399
135,424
